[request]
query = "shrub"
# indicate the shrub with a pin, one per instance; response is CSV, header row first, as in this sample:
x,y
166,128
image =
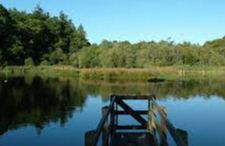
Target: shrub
x,y
29,62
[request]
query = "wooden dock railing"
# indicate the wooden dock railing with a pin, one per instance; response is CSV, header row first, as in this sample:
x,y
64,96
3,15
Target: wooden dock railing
x,y
108,125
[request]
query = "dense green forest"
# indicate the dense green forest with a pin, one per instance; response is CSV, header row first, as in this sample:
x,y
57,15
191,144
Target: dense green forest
x,y
38,38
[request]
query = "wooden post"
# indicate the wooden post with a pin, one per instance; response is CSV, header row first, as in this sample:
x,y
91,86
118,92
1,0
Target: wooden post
x,y
152,123
163,128
89,137
183,135
105,131
179,139
112,117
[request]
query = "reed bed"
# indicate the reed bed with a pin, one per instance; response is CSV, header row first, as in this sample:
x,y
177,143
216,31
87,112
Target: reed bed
x,y
171,72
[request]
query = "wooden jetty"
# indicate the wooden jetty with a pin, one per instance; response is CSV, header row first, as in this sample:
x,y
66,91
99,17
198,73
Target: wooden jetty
x,y
152,129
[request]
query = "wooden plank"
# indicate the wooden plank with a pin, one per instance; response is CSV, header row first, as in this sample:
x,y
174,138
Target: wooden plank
x,y
129,127
112,114
89,137
140,112
133,97
131,139
105,130
128,109
173,131
102,123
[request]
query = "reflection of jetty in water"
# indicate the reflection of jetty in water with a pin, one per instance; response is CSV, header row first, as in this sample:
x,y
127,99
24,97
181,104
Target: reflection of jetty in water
x,y
152,130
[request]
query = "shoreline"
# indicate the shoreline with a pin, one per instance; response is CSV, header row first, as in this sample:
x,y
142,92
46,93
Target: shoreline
x,y
167,72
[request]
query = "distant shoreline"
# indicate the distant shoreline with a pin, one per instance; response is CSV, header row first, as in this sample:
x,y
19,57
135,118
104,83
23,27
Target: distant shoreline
x,y
168,72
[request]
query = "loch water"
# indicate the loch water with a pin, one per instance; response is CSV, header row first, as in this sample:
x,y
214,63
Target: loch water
x,y
42,111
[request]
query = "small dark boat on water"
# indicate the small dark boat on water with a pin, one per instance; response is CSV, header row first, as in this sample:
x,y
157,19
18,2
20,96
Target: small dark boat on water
x,y
156,80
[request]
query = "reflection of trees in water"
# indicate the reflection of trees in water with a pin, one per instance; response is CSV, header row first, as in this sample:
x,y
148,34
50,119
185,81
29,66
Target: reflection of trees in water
x,y
178,89
37,102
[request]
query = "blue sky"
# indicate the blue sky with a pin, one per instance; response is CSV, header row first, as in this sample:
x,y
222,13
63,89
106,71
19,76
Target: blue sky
x,y
136,20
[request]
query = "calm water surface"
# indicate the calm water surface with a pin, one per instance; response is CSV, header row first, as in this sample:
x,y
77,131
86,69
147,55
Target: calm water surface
x,y
37,111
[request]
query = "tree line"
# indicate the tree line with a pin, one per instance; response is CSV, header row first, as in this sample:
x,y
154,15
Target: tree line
x,y
146,54
37,38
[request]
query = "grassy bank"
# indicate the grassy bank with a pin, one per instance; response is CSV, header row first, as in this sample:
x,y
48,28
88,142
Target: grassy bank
x,y
117,73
